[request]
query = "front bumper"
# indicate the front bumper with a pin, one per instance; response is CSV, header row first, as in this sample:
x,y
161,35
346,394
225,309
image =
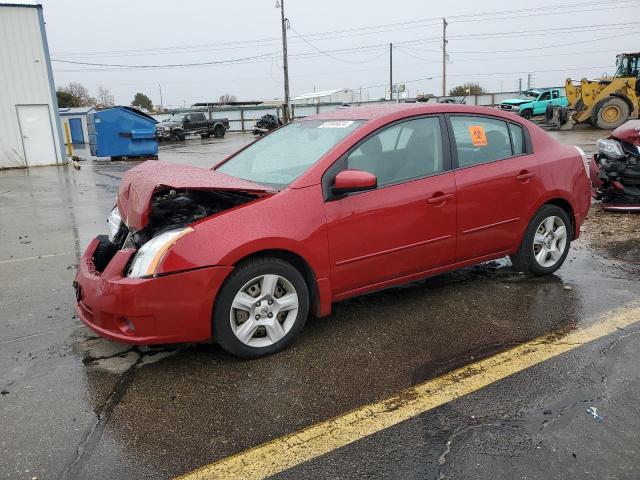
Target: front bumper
x,y
172,308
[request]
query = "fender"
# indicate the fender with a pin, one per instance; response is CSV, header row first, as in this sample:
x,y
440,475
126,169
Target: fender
x,y
549,197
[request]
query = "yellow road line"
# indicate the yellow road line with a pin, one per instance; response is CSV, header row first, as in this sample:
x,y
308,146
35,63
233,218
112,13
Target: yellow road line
x,y
293,449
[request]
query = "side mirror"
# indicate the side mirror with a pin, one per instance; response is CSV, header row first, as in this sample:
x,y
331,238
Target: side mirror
x,y
348,181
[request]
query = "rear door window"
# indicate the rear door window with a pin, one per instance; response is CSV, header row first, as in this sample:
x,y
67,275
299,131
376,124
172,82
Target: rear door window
x,y
480,139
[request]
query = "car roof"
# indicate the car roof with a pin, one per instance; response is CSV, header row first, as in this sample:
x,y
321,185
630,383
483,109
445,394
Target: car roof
x,y
400,110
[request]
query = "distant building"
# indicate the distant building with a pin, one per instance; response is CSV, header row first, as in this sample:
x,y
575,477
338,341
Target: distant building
x,y
76,119
30,131
341,95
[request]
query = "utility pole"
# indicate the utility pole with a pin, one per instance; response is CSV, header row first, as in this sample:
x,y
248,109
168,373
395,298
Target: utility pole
x,y
160,87
520,85
528,81
391,72
444,56
285,107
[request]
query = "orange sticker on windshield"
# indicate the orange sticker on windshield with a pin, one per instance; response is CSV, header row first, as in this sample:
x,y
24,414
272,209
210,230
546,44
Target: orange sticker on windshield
x,y
478,137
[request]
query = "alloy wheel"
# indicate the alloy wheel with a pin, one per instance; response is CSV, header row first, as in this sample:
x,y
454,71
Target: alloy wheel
x,y
550,241
264,310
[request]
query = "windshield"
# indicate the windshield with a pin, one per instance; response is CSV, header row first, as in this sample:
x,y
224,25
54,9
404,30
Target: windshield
x,y
176,117
283,155
529,95
628,66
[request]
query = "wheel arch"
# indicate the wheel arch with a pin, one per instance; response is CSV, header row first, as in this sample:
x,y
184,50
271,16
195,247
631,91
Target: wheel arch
x,y
625,98
565,205
301,265
559,199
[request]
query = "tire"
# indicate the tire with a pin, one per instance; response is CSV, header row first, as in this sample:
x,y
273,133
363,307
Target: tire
x,y
563,115
174,137
609,113
205,135
242,288
537,236
527,113
548,113
219,131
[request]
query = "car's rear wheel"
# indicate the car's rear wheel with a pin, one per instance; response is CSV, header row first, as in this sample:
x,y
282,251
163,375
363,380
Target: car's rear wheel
x,y
219,131
546,242
261,308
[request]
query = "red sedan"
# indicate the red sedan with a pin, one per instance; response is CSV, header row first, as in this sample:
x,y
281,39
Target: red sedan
x,y
326,208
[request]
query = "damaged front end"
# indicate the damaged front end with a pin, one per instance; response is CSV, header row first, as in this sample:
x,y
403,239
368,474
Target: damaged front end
x,y
171,214
617,170
157,206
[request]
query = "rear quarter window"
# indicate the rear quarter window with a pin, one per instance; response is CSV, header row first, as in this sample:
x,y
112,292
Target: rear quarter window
x,y
517,139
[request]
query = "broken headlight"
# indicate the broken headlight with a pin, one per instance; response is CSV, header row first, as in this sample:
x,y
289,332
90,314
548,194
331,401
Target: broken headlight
x,y
113,221
147,259
610,148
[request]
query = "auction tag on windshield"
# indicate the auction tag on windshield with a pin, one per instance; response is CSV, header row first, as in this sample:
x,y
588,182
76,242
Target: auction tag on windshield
x,y
336,124
478,137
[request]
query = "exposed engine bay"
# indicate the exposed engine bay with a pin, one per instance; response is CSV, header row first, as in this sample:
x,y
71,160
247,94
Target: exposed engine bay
x,y
170,209
615,175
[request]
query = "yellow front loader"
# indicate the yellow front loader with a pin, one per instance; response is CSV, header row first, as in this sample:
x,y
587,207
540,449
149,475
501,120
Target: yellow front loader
x,y
605,103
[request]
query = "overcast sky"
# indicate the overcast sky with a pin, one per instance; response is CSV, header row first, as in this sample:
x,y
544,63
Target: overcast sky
x,y
144,32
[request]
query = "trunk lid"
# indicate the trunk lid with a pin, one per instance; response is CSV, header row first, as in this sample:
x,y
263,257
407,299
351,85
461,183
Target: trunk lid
x,y
140,183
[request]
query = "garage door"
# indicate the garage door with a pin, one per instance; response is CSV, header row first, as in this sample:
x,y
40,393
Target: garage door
x,y
37,135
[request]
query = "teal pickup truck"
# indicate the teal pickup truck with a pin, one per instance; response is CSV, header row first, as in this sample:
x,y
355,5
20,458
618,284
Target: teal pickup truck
x,y
534,102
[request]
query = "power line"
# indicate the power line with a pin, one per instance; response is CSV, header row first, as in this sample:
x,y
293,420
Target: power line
x,y
551,46
170,65
325,52
268,56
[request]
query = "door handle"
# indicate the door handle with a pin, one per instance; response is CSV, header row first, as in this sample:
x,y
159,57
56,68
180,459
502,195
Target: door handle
x,y
439,197
525,175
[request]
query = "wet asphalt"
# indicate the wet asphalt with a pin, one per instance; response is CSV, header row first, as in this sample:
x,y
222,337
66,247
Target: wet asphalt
x,y
77,406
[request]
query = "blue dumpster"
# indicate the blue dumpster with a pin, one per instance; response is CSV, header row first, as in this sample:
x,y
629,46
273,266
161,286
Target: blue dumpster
x,y
122,132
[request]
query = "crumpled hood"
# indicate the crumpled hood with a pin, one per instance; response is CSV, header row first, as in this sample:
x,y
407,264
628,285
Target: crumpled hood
x,y
628,132
140,183
515,101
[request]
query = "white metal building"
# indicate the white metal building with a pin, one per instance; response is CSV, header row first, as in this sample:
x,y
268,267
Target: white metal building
x,y
76,120
30,132
340,95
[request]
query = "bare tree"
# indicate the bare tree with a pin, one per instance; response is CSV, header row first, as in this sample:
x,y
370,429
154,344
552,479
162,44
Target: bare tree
x,y
76,95
469,88
227,98
105,99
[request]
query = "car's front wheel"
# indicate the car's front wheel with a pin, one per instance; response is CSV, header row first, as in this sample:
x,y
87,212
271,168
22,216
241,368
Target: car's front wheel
x,y
261,308
527,113
546,242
